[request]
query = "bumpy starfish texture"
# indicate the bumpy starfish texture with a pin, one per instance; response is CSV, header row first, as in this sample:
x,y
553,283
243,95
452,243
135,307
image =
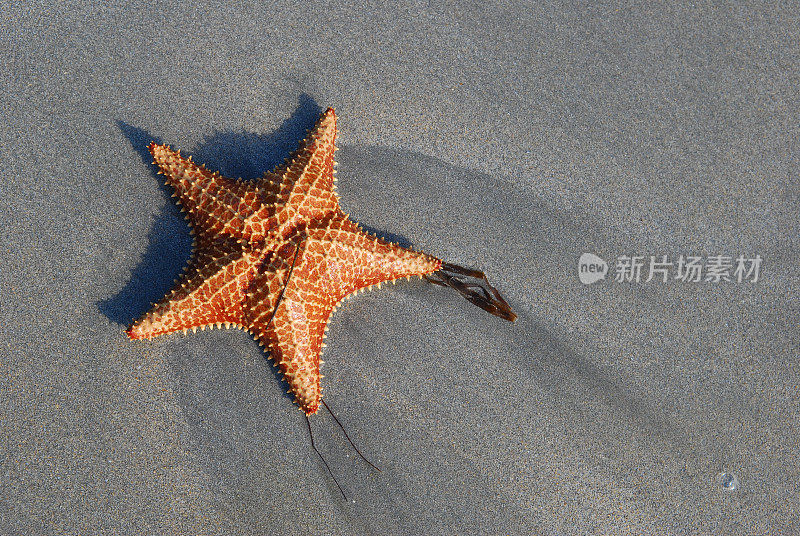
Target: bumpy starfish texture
x,y
274,257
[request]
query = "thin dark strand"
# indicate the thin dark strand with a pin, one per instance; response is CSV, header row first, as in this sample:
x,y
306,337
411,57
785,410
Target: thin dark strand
x,y
289,276
347,436
313,446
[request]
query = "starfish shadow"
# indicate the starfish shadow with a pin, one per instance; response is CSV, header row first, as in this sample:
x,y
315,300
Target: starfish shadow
x,y
169,248
168,251
248,155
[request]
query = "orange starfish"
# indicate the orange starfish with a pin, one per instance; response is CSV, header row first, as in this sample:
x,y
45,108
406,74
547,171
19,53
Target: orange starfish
x,y
276,256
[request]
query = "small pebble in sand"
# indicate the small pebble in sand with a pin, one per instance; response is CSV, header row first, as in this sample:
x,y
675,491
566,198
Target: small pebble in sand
x,y
728,481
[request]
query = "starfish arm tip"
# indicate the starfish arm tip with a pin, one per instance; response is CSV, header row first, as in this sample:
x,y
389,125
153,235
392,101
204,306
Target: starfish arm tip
x,y
133,334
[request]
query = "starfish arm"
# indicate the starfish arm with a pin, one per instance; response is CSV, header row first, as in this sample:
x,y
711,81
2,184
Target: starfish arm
x,y
217,206
308,177
210,292
295,339
350,259
288,315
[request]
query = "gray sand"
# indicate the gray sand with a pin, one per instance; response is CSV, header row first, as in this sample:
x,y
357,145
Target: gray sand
x,y
504,137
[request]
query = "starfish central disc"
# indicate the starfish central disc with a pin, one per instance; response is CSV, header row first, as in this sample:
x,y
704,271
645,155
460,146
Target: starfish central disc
x,y
273,256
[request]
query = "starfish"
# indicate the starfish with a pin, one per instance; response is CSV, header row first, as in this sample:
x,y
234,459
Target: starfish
x,y
276,256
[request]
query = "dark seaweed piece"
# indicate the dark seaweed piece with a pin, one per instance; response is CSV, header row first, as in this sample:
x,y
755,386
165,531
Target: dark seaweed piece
x,y
473,285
